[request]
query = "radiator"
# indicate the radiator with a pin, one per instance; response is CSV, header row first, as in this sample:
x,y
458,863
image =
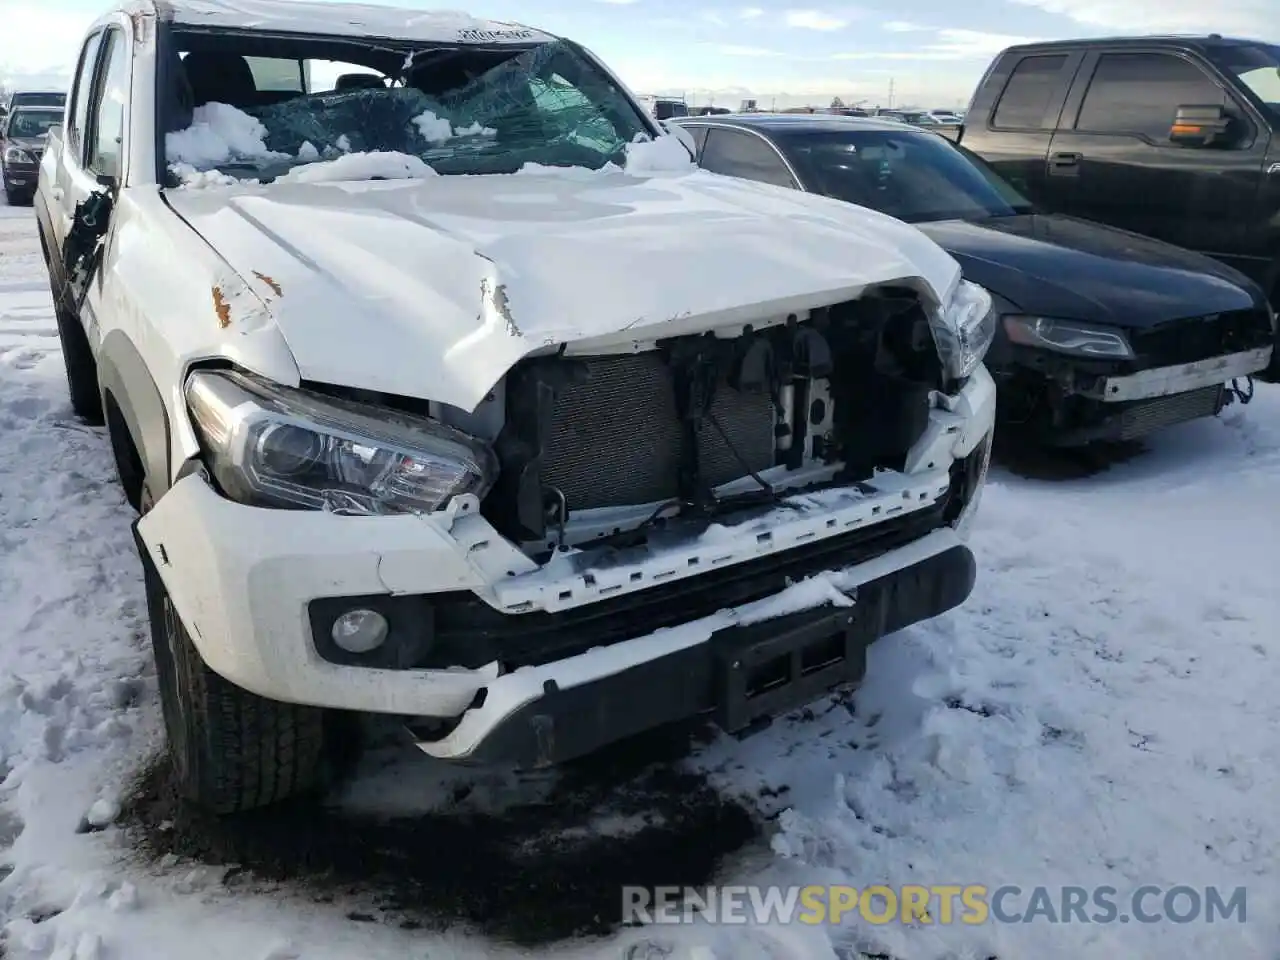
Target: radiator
x,y
1146,416
615,439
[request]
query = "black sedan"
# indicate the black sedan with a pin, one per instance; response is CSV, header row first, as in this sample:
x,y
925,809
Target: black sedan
x,y
22,137
1104,334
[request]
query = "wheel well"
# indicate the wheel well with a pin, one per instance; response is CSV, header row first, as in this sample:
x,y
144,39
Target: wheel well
x,y
125,450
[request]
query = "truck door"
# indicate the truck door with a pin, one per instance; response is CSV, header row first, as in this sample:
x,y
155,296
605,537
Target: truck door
x,y
69,158
96,152
1011,120
1112,160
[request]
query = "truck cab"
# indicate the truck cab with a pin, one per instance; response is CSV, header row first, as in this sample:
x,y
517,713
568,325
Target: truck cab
x,y
1170,137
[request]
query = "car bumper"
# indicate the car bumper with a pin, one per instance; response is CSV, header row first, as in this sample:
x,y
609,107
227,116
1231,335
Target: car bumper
x,y
247,582
1180,378
20,176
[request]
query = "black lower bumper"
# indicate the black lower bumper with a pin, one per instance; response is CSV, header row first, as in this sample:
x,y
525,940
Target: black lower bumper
x,y
742,675
1137,418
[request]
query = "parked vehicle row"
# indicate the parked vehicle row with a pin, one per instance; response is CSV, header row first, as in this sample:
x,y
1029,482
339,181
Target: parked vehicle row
x,y
1102,334
407,437
411,438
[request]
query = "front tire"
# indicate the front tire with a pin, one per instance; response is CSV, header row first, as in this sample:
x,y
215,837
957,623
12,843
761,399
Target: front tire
x,y
230,749
77,359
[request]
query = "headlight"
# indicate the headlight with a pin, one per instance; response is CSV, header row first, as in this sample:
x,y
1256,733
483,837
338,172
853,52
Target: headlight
x,y
17,155
964,329
1067,336
270,445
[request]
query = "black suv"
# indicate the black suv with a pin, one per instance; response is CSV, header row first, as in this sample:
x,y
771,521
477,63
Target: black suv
x,y
1171,137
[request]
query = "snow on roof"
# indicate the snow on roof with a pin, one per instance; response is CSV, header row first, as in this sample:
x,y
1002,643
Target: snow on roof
x,y
347,20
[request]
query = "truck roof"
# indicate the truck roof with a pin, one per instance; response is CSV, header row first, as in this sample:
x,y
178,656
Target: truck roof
x,y
1182,42
359,20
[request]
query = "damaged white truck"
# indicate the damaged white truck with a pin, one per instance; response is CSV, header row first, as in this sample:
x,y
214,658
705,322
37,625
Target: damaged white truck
x,y
447,388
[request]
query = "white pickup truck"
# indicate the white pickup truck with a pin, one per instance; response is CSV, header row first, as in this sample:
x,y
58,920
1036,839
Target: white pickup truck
x,y
447,388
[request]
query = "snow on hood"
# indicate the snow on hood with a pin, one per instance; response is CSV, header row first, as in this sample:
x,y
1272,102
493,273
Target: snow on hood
x,y
435,287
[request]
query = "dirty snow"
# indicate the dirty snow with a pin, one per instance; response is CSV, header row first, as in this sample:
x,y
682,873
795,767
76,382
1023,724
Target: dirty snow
x,y
1101,711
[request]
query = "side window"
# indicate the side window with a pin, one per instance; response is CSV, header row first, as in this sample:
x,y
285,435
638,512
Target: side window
x,y
82,92
1027,94
1139,93
699,135
106,132
276,75
744,155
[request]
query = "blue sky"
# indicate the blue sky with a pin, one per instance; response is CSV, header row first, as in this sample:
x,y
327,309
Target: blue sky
x,y
933,51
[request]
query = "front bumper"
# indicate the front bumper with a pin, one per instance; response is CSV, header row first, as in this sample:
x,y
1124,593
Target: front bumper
x,y
246,580
1180,378
20,176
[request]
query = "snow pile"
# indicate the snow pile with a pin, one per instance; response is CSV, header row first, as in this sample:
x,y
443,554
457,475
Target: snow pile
x,y
194,179
378,165
437,130
219,134
666,154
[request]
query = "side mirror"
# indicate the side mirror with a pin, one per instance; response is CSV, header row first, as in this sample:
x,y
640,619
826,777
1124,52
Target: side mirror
x,y
1200,126
55,132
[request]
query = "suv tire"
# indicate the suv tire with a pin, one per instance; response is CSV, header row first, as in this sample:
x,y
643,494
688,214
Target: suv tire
x,y
77,358
230,749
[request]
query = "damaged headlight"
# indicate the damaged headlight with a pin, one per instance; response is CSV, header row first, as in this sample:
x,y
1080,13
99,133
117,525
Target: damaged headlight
x,y
964,329
270,445
1067,336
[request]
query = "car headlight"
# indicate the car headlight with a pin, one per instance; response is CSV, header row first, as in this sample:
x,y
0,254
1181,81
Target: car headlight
x,y
1067,336
270,445
17,155
964,329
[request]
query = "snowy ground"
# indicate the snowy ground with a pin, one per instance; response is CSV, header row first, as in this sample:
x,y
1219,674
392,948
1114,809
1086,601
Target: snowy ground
x,y
1102,711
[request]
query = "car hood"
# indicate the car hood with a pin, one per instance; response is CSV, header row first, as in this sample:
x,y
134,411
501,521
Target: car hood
x,y
435,287
35,144
1057,266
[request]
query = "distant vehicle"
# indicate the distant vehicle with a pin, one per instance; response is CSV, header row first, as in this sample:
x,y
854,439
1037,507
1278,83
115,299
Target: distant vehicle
x,y
946,116
665,108
21,98
22,137
1176,138
1103,335
709,111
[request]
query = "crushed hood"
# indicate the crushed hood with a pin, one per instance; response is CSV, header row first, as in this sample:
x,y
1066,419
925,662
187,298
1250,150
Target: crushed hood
x,y
434,288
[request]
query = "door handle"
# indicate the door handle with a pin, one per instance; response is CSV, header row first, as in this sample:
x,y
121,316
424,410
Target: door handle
x,y
1064,164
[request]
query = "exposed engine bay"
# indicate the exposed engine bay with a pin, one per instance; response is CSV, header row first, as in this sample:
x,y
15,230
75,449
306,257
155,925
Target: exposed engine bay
x,y
604,449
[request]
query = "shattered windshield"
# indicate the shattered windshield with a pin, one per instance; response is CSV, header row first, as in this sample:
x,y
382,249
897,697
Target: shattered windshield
x,y
546,105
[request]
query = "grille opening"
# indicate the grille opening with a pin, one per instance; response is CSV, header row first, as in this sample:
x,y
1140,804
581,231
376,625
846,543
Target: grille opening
x,y
823,399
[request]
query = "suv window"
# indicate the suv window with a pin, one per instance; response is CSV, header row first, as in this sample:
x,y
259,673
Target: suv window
x,y
1139,93
83,91
744,155
699,135
106,135
1027,94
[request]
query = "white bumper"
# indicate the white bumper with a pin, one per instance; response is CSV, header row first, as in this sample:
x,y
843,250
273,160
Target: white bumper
x,y
242,577
1166,381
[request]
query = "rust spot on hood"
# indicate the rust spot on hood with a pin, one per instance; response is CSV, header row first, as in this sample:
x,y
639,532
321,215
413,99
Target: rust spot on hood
x,y
221,308
497,297
275,287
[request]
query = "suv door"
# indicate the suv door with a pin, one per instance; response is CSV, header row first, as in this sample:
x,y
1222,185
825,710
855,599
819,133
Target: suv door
x,y
1112,159
739,153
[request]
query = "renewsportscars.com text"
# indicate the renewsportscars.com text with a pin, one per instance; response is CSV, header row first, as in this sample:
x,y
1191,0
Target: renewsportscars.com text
x,y
943,904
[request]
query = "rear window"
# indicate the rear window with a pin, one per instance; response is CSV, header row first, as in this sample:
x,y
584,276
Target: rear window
x,y
57,99
1026,96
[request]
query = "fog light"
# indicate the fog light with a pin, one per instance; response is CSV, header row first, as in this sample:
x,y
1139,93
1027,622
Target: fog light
x,y
360,631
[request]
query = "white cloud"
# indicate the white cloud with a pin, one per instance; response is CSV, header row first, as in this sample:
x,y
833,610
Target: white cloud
x,y
710,16
1249,17
751,13
736,50
949,45
39,46
903,26
815,20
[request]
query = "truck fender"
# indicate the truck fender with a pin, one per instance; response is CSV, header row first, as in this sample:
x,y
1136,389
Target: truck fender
x,y
127,386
